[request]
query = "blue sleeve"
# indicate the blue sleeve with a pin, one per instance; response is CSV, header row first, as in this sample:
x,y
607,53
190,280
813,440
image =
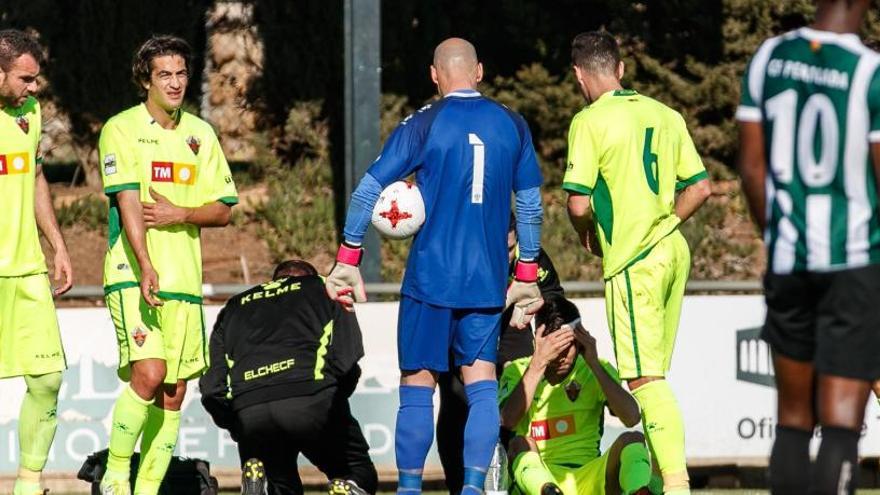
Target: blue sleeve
x,y
528,173
529,213
402,152
360,209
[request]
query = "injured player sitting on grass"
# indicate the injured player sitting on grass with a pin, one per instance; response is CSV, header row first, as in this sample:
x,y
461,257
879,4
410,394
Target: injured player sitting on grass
x,y
555,402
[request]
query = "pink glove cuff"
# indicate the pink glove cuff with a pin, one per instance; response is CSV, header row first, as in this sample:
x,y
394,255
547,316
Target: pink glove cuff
x,y
526,271
349,255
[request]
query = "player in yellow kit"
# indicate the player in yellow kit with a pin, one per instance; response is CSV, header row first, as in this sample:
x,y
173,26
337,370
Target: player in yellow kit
x,y
30,343
554,401
633,176
166,178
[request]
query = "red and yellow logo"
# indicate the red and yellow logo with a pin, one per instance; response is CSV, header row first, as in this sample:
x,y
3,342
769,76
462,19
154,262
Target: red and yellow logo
x,y
15,163
178,173
552,428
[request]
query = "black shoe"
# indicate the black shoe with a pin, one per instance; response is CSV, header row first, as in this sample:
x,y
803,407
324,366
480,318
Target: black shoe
x,y
550,489
344,487
253,478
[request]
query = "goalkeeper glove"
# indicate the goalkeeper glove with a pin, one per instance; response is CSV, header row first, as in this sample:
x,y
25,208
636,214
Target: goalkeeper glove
x,y
344,284
524,294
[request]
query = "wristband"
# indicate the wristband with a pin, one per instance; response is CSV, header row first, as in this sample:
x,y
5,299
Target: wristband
x,y
526,271
350,255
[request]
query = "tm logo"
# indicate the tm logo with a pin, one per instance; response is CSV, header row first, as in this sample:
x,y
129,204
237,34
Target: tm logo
x,y
754,363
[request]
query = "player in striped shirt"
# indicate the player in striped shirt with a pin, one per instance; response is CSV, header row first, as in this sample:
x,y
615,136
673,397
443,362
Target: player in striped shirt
x,y
809,150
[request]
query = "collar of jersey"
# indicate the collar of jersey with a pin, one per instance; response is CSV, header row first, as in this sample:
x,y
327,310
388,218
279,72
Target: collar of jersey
x,y
463,93
150,120
615,92
826,36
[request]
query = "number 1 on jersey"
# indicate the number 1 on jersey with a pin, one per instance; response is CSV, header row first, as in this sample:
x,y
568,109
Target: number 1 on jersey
x,y
649,160
479,166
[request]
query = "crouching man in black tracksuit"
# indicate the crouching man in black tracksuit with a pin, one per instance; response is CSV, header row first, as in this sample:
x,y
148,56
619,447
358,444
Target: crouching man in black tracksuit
x,y
283,365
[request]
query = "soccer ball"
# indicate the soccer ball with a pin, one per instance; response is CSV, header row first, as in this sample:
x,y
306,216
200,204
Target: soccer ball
x,y
400,211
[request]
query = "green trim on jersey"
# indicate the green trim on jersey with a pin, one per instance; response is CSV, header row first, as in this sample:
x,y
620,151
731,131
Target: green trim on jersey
x,y
604,208
691,181
577,188
229,200
632,321
132,186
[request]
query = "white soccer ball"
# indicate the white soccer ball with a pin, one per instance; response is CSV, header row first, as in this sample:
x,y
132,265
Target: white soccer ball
x,y
400,211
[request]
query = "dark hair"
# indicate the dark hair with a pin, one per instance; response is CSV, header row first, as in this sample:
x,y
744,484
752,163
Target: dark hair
x,y
294,268
555,312
157,46
596,52
15,43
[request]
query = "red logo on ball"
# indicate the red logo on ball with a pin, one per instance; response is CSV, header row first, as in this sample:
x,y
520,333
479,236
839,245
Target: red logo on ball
x,y
394,214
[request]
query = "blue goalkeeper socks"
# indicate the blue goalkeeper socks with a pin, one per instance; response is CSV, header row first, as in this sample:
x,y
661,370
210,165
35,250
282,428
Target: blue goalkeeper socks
x,y
480,433
413,436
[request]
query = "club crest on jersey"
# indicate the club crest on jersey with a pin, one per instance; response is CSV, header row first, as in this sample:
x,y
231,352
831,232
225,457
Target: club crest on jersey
x,y
139,336
194,144
573,390
394,214
23,123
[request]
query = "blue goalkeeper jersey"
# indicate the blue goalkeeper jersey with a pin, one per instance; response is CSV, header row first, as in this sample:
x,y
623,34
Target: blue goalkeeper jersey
x,y
469,155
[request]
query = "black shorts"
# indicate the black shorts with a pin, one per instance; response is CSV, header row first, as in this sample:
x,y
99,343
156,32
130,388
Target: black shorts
x,y
829,318
319,426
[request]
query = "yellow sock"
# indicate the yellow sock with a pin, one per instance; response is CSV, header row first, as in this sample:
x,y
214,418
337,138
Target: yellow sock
x,y
664,428
129,416
157,448
27,482
530,473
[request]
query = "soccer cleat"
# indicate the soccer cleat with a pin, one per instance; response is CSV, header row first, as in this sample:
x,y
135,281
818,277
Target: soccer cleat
x,y
344,487
550,489
253,478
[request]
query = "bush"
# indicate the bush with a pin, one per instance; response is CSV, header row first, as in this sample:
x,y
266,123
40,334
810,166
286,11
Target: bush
x,y
89,211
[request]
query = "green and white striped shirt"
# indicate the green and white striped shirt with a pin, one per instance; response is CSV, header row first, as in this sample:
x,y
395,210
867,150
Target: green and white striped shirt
x,y
817,95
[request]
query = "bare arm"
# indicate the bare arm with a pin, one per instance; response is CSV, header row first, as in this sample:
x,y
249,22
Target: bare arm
x,y
547,348
131,213
164,213
752,166
621,403
48,224
692,198
581,215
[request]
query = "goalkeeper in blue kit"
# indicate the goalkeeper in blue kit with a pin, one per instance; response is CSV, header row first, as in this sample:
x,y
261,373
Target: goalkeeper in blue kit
x,y
469,155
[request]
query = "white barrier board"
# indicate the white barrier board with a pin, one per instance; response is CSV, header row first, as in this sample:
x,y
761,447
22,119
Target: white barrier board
x,y
720,373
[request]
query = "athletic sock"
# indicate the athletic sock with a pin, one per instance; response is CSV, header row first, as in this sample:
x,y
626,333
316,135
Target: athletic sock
x,y
38,420
480,433
635,468
790,461
157,448
664,428
837,464
129,416
413,436
530,473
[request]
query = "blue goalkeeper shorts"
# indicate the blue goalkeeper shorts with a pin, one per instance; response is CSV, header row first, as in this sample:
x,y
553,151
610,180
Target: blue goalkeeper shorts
x,y
426,333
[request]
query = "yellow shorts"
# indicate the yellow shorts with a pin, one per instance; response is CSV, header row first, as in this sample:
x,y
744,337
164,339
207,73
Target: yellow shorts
x,y
173,332
643,305
30,343
587,479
